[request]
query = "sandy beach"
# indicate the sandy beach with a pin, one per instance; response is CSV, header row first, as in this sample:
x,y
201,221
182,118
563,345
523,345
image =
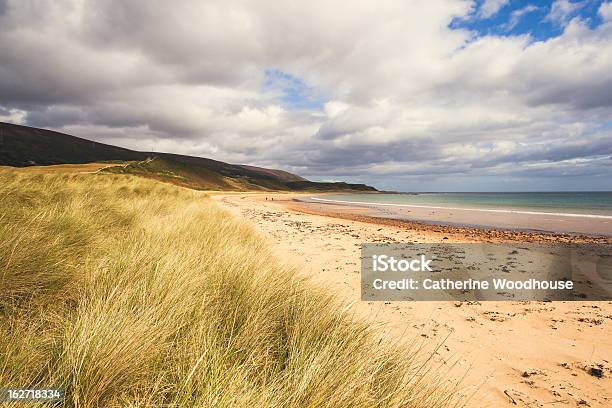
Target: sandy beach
x,y
509,353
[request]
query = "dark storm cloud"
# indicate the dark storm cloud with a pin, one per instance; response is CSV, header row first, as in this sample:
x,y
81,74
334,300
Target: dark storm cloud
x,y
55,117
558,151
588,96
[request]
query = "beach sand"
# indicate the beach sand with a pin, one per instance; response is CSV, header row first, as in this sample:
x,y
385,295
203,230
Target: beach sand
x,y
509,353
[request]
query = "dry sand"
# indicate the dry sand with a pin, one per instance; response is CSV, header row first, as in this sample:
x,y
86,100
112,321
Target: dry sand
x,y
511,353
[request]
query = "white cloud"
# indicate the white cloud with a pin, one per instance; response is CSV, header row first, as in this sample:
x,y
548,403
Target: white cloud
x,y
16,116
516,15
490,7
562,11
605,11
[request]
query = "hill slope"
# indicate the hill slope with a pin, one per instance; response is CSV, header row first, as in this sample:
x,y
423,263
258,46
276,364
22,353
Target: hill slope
x,y
22,146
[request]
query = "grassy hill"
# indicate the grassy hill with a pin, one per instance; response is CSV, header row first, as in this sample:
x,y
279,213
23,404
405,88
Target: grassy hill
x,y
129,292
26,146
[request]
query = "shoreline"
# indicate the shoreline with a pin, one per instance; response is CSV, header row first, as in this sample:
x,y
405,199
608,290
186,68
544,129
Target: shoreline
x,y
513,223
476,232
487,210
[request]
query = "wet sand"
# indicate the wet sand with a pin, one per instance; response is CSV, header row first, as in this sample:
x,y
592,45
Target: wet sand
x,y
564,221
511,353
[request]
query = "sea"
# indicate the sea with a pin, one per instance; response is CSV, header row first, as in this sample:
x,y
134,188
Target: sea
x,y
571,204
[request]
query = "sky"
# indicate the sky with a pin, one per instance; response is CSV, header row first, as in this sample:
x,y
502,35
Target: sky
x,y
421,95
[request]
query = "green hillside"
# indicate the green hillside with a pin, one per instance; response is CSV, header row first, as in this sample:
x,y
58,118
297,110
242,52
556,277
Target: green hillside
x,y
22,146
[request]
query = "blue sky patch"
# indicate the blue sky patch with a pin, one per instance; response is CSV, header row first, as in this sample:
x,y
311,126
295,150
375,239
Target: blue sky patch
x,y
294,93
540,19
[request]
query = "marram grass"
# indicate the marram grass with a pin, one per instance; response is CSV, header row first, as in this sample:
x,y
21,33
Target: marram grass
x,y
127,292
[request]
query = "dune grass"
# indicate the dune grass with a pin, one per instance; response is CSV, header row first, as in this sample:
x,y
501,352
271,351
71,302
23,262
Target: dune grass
x,y
129,292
